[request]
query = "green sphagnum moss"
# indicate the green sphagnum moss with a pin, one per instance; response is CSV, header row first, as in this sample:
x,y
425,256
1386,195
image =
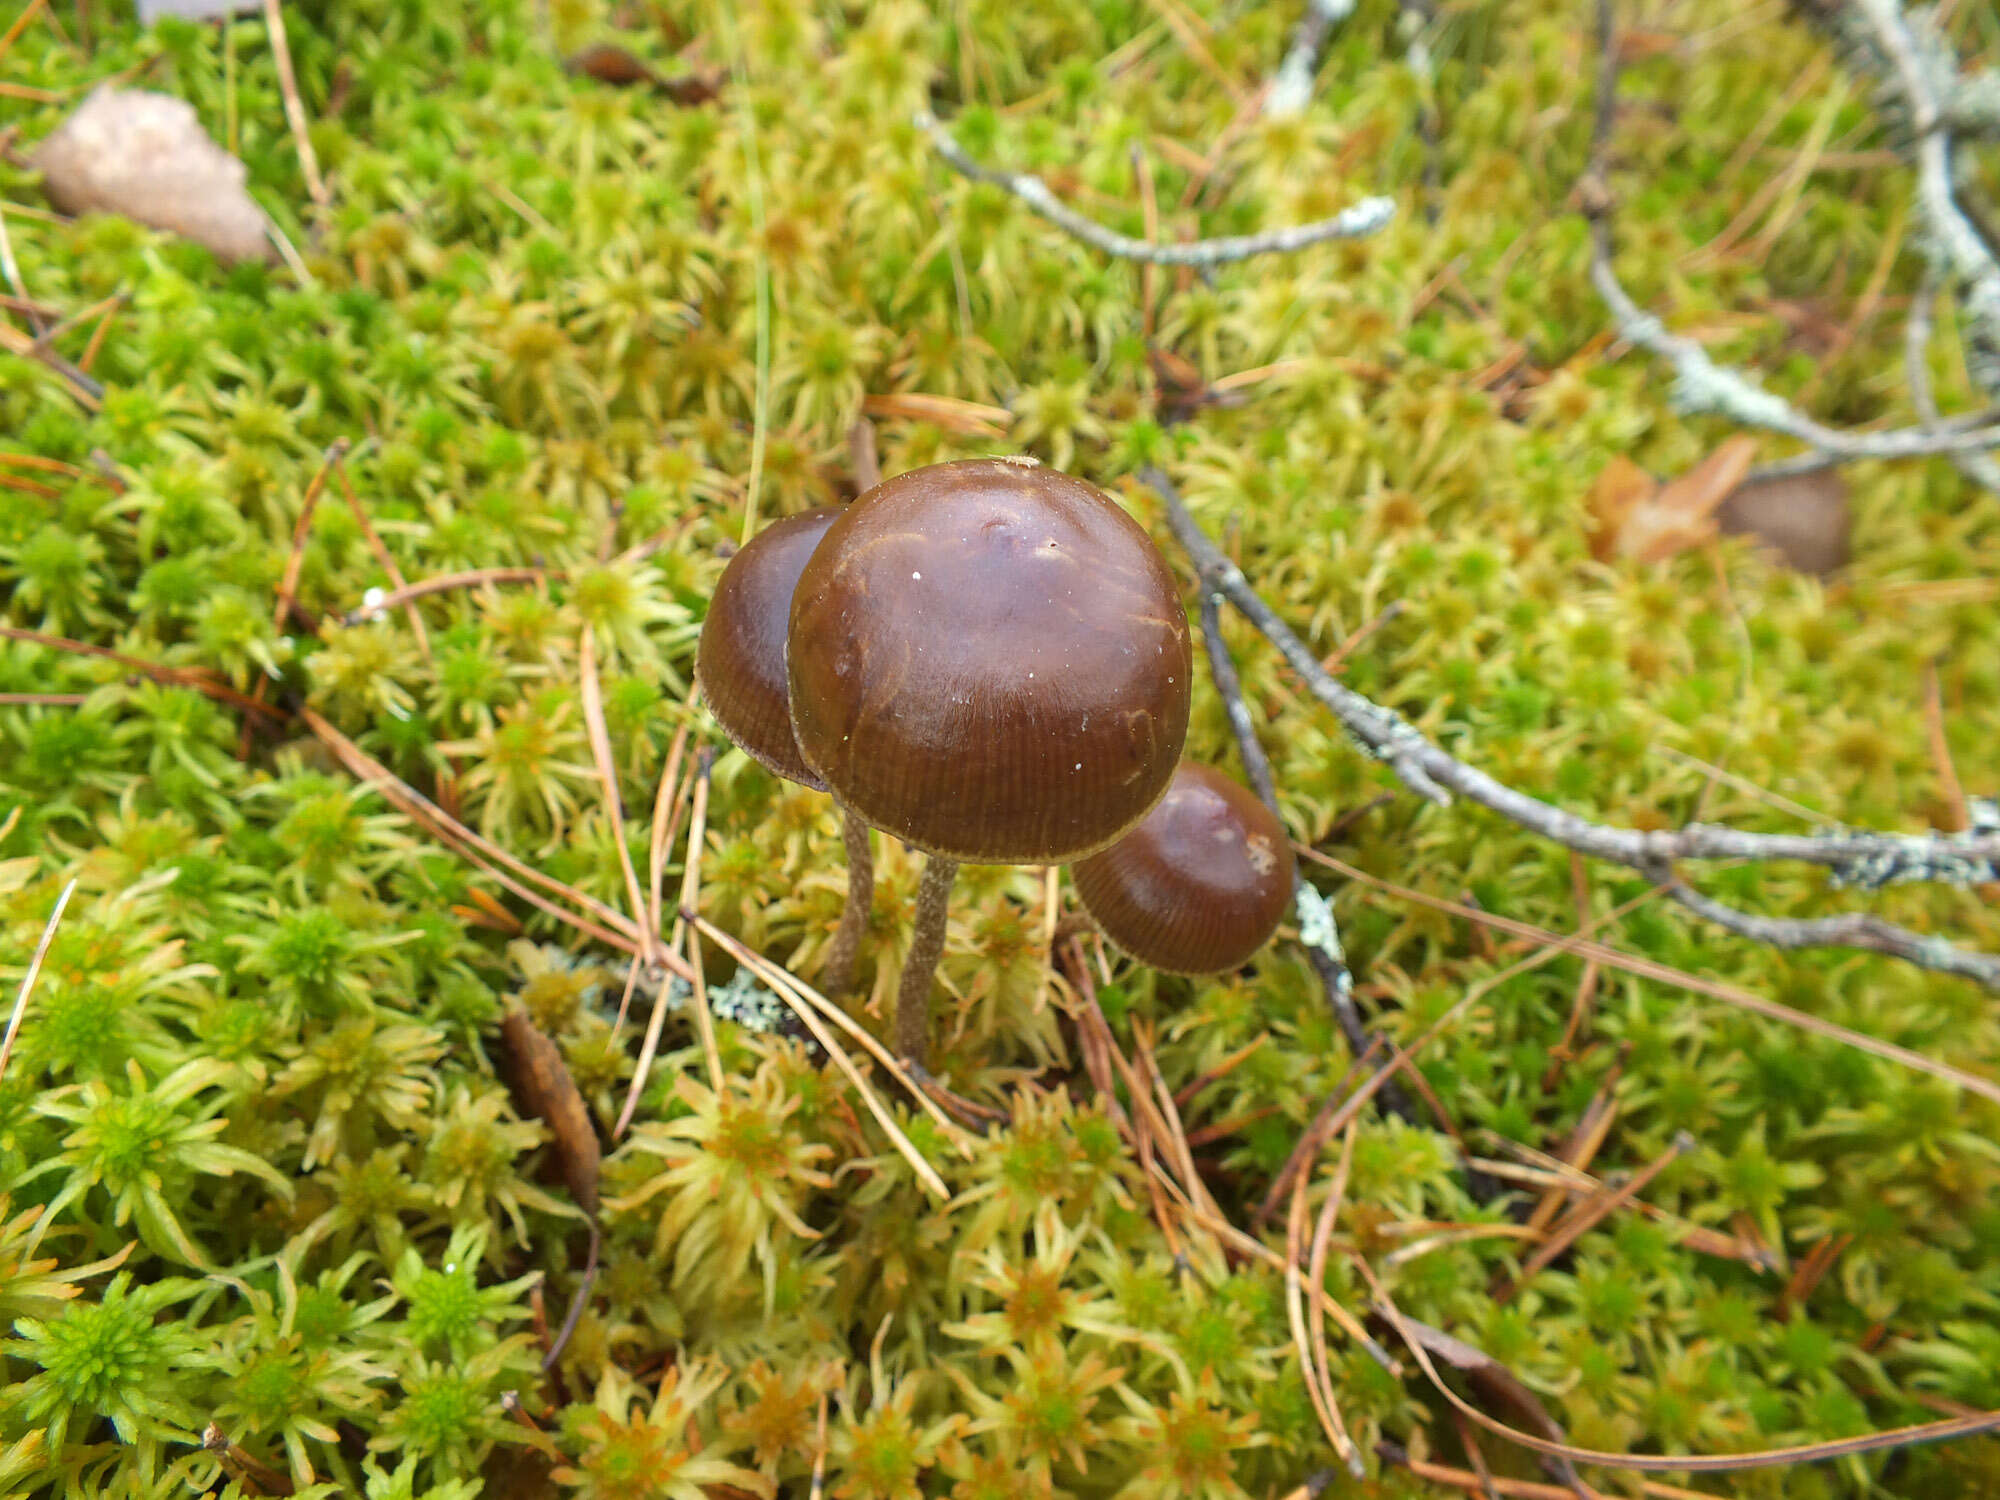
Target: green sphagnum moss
x,y
258,1167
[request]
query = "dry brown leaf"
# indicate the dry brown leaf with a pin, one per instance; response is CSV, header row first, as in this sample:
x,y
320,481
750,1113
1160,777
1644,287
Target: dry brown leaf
x,y
145,156
540,1083
609,63
1805,519
1649,522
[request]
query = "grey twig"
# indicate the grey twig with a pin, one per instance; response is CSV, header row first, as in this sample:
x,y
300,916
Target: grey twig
x,y
1700,384
1855,857
1364,218
1980,468
1291,86
1917,64
1847,930
1317,931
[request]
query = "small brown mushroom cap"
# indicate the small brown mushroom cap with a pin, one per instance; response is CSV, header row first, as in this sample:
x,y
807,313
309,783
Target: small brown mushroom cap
x,y
740,663
1200,885
990,660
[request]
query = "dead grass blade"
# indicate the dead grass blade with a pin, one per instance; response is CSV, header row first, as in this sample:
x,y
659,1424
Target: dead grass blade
x,y
960,418
384,558
1717,1463
295,110
444,583
607,778
1515,1489
1310,1341
781,983
656,1023
1614,958
34,973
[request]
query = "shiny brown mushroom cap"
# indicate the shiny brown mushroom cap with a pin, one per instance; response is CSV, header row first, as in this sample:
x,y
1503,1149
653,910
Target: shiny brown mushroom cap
x,y
740,663
1200,884
989,660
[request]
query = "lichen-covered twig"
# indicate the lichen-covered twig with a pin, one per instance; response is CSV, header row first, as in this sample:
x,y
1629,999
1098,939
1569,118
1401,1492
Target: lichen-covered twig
x,y
1925,88
1980,468
1855,857
1291,86
1364,218
1318,933
1700,384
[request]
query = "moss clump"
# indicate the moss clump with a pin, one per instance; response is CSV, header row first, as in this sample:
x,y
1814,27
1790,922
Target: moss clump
x,y
590,338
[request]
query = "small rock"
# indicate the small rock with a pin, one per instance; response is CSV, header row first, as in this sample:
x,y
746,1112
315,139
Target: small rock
x,y
1805,519
145,156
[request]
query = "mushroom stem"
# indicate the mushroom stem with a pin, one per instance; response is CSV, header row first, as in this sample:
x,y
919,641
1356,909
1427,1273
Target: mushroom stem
x,y
913,995
846,945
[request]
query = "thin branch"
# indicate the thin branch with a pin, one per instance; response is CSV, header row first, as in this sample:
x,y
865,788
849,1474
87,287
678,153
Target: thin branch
x,y
1363,219
1980,468
1700,384
1291,85
1912,69
1317,931
1858,858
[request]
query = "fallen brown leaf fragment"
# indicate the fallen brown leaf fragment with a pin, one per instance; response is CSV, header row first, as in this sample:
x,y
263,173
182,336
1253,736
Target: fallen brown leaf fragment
x,y
542,1087
607,62
1804,518
145,156
1637,517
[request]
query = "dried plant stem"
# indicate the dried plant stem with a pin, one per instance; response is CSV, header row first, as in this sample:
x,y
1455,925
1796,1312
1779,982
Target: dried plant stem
x,y
1719,1463
913,991
846,945
34,973
691,970
444,583
1593,1213
383,557
1364,218
1310,1343
197,678
796,992
295,110
89,393
607,778
611,927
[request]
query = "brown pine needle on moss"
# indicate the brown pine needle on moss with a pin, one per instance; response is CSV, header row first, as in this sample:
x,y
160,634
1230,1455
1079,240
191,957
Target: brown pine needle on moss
x,y
690,970
1614,958
778,981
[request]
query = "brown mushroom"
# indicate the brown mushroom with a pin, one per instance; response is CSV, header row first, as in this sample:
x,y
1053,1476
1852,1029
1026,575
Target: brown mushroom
x,y
740,665
989,660
1202,882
